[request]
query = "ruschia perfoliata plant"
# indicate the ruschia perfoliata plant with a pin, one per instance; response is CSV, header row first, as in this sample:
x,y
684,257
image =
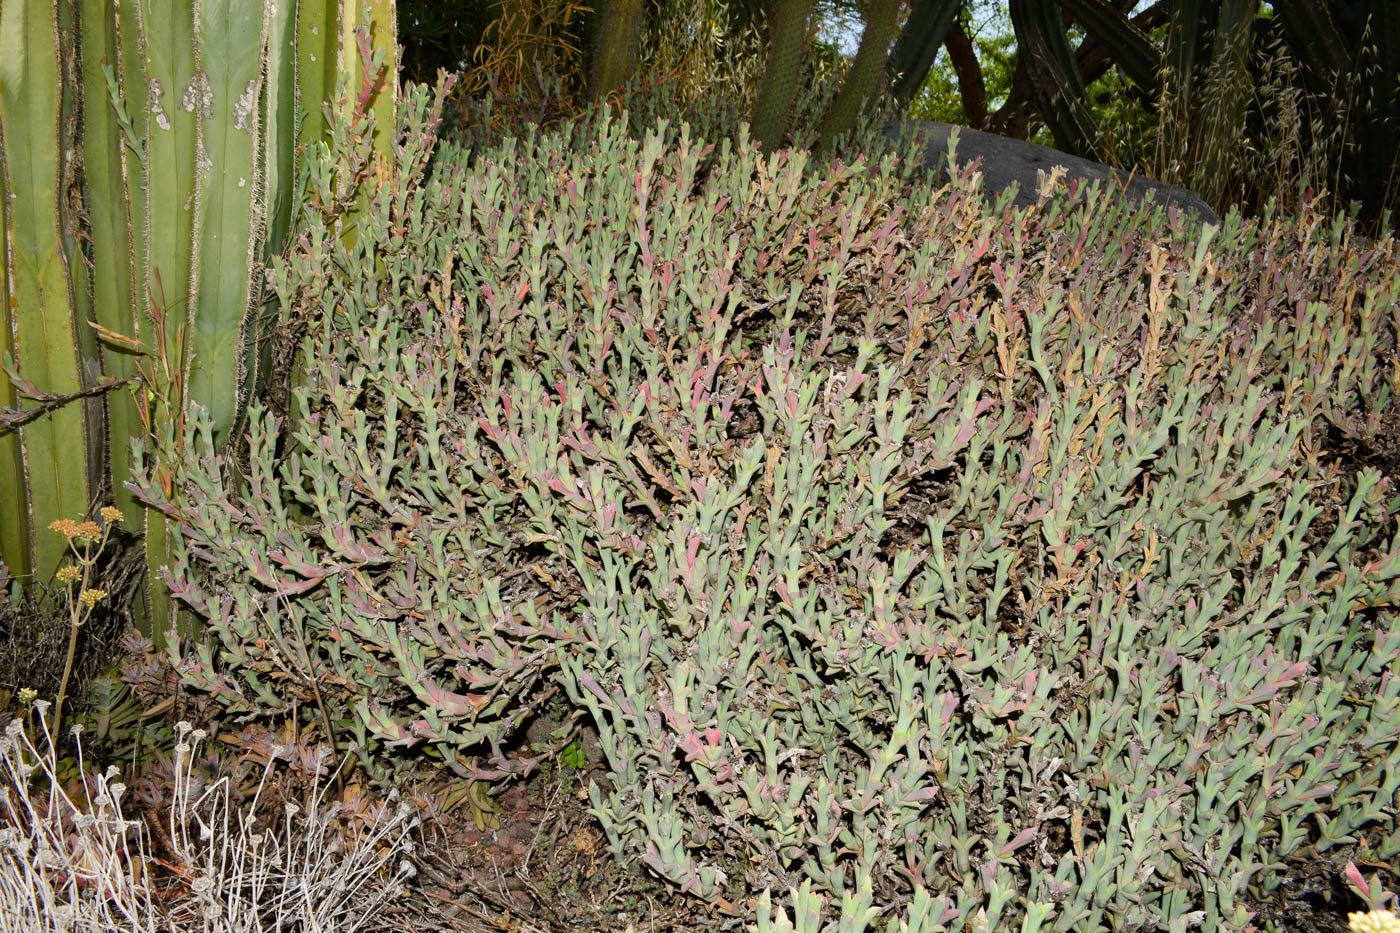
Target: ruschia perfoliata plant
x,y
1025,569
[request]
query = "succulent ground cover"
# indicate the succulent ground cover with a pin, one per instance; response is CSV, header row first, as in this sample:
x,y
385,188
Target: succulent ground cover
x,y
998,569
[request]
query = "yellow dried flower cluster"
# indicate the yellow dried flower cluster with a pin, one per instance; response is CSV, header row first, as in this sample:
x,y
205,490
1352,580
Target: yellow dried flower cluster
x,y
64,526
1375,921
88,531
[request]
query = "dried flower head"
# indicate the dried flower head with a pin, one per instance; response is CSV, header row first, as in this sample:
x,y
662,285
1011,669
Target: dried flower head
x,y
1374,921
83,531
65,526
62,916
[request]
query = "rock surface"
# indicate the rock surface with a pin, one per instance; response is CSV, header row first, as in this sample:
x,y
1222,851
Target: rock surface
x,y
1011,160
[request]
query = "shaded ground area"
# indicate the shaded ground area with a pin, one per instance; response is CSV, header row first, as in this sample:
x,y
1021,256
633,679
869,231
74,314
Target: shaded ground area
x,y
547,868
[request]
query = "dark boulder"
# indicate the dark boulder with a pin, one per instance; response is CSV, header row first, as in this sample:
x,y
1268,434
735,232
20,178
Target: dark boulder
x,y
1012,160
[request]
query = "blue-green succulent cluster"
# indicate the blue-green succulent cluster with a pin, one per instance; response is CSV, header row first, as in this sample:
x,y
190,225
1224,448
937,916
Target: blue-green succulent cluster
x,y
992,565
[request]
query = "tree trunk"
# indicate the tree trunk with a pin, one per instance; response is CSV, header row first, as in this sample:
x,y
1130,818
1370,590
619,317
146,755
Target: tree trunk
x,y
969,71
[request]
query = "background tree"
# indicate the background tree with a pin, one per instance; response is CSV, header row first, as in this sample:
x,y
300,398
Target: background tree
x,y
1171,89
440,35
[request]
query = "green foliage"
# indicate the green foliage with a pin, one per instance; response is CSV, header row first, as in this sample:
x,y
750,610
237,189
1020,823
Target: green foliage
x,y
998,568
440,35
347,639
940,98
698,44
574,756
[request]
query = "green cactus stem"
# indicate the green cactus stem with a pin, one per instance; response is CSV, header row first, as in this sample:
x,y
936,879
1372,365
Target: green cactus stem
x,y
776,90
867,71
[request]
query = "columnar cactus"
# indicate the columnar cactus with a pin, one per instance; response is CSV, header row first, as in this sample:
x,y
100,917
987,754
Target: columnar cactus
x,y
787,49
867,75
181,180
917,46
